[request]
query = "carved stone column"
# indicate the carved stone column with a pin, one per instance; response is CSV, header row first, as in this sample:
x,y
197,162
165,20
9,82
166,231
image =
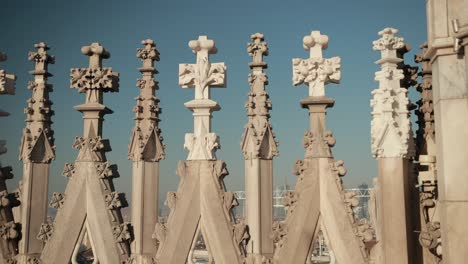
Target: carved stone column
x,y
393,146
36,151
201,206
9,229
90,207
145,151
259,147
447,22
319,201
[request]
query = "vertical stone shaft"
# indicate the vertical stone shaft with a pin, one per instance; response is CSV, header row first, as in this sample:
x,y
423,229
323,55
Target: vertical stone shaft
x,y
430,236
36,151
145,151
90,208
259,147
448,53
201,203
392,145
319,202
9,230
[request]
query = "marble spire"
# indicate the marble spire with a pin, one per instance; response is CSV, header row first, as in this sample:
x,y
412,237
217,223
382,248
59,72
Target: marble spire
x,y
258,140
391,133
392,145
37,150
201,206
319,201
259,146
146,150
90,210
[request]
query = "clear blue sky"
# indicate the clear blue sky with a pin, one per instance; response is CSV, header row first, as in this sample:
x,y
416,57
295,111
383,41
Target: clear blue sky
x,y
120,25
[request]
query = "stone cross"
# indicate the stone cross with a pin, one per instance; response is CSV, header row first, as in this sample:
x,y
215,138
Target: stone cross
x,y
202,144
94,80
388,43
316,71
203,74
257,49
41,58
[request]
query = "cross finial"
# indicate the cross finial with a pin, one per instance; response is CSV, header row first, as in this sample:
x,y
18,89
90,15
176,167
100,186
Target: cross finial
x,y
202,75
96,53
389,44
95,79
41,58
257,49
315,42
316,71
148,54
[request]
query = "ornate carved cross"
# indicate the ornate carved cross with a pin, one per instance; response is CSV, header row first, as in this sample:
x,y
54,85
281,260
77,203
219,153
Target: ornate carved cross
x,y
257,49
41,58
203,74
94,80
316,71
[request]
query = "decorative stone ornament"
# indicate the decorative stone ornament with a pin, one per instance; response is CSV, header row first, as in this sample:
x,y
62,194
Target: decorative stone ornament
x,y
391,134
258,140
259,146
146,142
203,75
316,71
202,144
91,208
37,144
319,202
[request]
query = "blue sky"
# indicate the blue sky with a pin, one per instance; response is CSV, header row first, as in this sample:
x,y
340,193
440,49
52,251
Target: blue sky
x,y
120,26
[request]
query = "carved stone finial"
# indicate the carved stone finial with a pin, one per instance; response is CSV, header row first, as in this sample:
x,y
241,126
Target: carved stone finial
x,y
389,44
316,71
148,55
258,139
388,40
257,49
37,143
315,43
41,58
146,142
391,134
204,74
96,53
94,79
